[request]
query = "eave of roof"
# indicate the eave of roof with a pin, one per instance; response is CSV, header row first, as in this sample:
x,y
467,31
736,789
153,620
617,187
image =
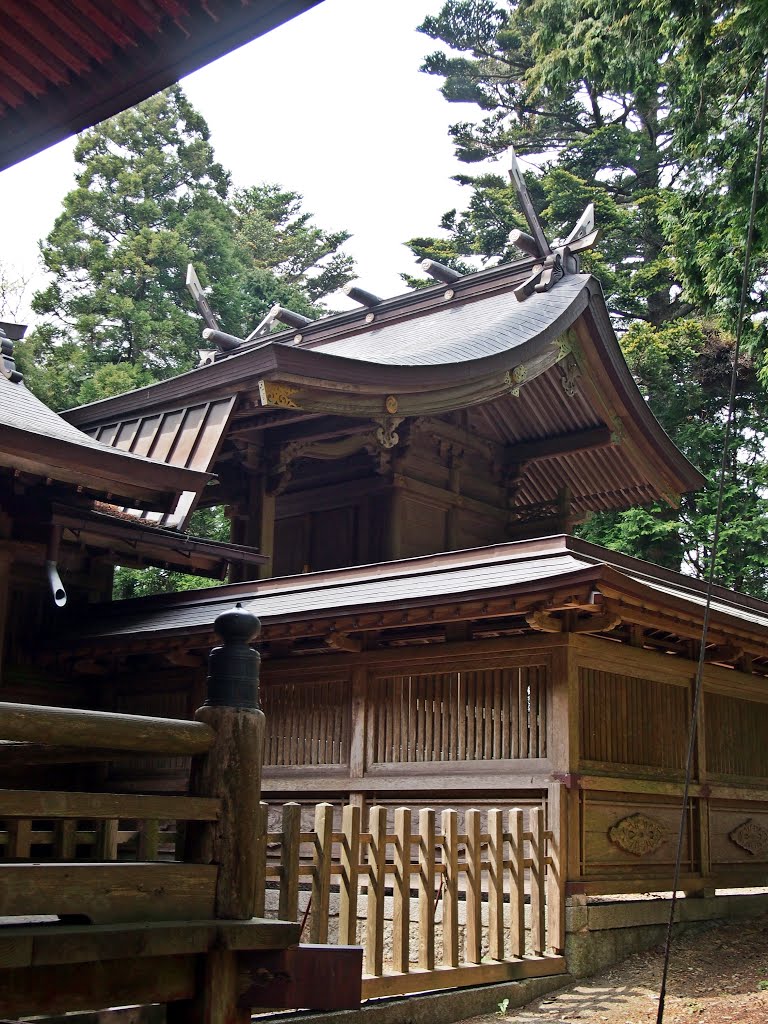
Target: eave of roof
x,y
436,354
517,569
71,64
35,439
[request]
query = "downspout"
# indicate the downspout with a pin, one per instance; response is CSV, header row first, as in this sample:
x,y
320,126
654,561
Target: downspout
x,y
52,572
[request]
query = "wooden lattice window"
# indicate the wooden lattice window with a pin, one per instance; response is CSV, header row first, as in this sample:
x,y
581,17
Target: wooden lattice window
x,y
736,732
458,716
307,722
632,721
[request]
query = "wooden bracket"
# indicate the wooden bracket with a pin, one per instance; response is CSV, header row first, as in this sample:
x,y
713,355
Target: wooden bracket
x,y
344,642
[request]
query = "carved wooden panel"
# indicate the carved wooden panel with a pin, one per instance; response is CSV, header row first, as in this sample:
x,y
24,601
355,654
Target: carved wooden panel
x,y
739,833
307,722
735,736
459,716
626,835
626,720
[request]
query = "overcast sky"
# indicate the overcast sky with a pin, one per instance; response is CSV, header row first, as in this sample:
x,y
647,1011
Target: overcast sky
x,y
331,105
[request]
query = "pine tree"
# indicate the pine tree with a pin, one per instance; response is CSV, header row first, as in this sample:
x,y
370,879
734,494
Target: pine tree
x,y
150,198
648,109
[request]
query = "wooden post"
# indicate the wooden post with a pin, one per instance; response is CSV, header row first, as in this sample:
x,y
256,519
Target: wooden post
x,y
374,932
260,855
450,889
401,914
496,884
321,873
427,889
557,813
517,887
289,863
537,879
350,864
474,906
231,770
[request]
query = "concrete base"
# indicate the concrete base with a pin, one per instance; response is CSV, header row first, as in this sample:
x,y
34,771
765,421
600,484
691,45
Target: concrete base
x,y
601,934
436,1007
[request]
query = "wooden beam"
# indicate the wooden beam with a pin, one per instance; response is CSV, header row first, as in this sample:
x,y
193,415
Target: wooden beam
x,y
562,444
109,892
72,727
44,804
96,986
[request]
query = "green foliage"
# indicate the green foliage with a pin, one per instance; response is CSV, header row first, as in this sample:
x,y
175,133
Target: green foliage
x,y
648,109
149,198
211,523
683,369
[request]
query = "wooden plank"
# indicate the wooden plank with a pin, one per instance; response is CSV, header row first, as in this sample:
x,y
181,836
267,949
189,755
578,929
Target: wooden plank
x,y
348,880
557,815
106,840
401,913
450,856
426,888
95,986
65,844
288,909
109,892
19,839
536,826
321,873
462,977
260,859
357,744
496,884
374,926
69,727
517,883
474,929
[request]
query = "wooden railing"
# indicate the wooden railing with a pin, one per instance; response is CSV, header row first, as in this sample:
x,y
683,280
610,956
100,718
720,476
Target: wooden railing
x,y
108,857
433,907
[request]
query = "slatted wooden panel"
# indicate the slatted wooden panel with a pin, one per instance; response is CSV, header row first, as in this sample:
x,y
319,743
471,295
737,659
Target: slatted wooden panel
x,y
736,733
459,716
439,902
307,722
627,720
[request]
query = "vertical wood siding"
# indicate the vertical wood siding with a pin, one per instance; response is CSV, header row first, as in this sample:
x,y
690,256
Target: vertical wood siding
x,y
736,732
458,716
307,722
631,721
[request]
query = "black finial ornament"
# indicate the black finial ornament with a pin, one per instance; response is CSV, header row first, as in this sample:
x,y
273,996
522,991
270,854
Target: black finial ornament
x,y
7,363
233,668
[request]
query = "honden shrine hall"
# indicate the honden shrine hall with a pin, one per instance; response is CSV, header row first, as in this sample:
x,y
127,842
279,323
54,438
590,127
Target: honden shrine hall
x,y
402,482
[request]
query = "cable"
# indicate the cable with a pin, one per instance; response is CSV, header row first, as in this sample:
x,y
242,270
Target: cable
x,y
713,557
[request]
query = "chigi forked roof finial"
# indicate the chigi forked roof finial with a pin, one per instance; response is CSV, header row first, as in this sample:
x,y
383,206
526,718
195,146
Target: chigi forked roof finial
x,y
555,262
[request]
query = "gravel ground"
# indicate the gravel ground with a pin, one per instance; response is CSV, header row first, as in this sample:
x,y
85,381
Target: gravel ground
x,y
716,976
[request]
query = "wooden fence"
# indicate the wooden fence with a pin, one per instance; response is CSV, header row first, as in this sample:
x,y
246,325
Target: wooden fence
x,y
433,908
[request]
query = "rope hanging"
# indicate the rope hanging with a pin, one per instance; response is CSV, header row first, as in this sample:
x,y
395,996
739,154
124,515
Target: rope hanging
x,y
713,557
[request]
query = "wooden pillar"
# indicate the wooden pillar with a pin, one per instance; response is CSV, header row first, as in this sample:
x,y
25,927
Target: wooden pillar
x,y
5,581
231,772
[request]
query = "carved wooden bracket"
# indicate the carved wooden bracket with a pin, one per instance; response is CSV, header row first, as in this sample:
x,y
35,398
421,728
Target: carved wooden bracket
x,y
751,837
344,642
637,834
568,622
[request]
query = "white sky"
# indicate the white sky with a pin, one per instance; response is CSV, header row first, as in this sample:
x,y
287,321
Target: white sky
x,y
331,105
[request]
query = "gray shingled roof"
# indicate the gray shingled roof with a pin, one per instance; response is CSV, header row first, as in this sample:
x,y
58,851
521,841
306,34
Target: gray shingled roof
x,y
488,326
517,567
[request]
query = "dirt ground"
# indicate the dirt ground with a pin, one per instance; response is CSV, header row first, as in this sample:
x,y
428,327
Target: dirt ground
x,y
716,976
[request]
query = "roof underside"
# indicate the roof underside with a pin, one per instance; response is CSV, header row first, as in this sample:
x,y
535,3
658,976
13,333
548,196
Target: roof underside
x,y
34,439
68,64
